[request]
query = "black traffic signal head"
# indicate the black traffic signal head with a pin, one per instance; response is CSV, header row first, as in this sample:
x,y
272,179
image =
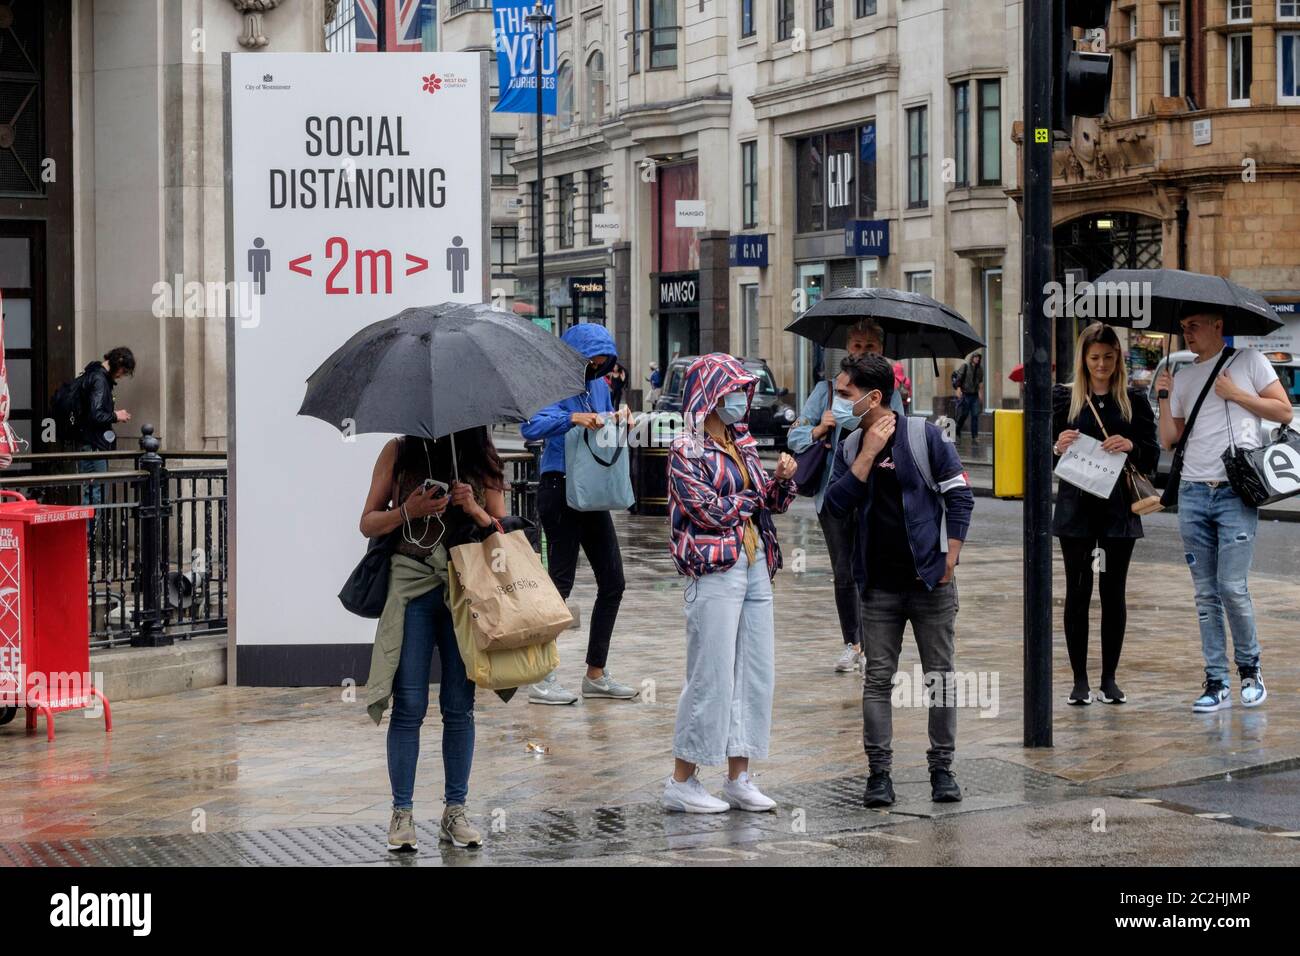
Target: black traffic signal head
x,y
1080,80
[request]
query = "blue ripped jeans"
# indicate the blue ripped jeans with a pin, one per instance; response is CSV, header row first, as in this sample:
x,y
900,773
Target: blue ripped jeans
x,y
1218,531
428,627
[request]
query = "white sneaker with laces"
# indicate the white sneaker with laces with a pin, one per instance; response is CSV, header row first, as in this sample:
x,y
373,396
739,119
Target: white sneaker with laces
x,y
689,796
849,660
743,795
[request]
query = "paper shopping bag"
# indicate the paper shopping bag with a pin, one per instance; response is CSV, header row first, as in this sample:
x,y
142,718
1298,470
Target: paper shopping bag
x,y
509,596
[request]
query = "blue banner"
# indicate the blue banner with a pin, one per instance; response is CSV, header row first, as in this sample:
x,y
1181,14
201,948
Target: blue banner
x,y
866,237
747,250
516,45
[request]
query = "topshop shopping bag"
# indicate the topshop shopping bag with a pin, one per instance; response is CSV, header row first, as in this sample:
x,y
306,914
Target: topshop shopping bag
x,y
598,476
1086,466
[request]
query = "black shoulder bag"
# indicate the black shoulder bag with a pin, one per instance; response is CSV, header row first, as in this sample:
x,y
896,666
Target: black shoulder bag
x,y
1170,497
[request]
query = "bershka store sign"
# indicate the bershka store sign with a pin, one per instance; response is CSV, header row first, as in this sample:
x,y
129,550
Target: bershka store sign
x,y
679,290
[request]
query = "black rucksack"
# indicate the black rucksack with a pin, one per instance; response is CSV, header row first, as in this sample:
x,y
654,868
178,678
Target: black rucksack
x,y
66,404
957,376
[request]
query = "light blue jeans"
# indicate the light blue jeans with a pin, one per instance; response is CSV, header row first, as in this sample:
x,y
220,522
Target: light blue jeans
x,y
726,705
1218,531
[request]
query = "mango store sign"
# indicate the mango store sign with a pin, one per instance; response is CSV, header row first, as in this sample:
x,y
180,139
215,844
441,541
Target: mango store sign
x,y
356,186
690,214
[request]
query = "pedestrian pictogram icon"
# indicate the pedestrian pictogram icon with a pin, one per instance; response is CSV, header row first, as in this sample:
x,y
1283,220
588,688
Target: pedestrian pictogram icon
x,y
457,263
259,263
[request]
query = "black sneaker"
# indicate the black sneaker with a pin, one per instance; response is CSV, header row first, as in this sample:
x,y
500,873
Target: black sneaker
x,y
1110,692
879,792
943,787
1081,696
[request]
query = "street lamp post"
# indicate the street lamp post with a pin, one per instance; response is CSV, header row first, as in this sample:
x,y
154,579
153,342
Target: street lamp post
x,y
538,19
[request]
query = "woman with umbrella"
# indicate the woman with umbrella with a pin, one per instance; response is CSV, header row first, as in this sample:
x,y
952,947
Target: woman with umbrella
x,y
436,376
414,489
1099,403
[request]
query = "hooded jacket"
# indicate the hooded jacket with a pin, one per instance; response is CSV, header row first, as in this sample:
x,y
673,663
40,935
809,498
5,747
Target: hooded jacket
x,y
553,422
707,500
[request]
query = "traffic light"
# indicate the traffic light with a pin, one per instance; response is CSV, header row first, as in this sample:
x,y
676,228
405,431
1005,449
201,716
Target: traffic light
x,y
1080,80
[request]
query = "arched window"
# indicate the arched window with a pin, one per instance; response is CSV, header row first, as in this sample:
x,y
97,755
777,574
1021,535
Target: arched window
x,y
596,87
564,96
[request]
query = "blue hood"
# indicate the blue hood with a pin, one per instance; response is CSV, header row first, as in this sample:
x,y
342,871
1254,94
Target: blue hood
x,y
591,339
551,423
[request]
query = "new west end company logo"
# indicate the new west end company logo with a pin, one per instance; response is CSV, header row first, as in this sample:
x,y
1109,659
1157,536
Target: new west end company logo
x,y
443,81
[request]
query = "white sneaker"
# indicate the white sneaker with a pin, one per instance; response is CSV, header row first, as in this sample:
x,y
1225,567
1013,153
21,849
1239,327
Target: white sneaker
x,y
690,796
743,795
849,660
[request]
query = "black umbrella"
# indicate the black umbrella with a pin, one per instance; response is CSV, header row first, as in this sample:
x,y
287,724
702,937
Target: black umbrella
x,y
440,369
1156,300
913,324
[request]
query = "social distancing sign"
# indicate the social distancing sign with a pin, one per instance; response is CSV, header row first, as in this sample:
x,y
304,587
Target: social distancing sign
x,y
356,188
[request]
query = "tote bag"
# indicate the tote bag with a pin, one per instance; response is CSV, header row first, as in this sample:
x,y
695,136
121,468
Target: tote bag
x,y
598,476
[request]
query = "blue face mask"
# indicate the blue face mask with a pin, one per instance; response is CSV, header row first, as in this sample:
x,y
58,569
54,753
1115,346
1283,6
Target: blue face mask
x,y
842,409
733,408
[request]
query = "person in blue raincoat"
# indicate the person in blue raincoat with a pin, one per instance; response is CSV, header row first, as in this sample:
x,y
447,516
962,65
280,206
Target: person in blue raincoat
x,y
568,530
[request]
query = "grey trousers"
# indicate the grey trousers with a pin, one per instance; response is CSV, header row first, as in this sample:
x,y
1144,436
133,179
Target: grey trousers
x,y
933,616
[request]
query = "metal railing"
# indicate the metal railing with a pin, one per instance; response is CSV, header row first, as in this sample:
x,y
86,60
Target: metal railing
x,y
159,541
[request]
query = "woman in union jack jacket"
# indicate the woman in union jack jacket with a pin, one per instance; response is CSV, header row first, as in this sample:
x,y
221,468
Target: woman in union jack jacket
x,y
721,503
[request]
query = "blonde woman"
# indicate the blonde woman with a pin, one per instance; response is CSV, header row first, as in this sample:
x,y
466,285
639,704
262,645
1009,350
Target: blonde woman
x,y
1099,403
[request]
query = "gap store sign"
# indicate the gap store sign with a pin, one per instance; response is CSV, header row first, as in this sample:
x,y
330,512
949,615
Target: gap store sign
x,y
866,237
747,251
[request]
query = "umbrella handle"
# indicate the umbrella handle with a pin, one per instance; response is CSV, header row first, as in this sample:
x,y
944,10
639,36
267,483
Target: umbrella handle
x,y
455,466
1164,352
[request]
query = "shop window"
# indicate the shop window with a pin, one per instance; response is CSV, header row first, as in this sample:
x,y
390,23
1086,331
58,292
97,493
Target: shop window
x,y
505,251
841,163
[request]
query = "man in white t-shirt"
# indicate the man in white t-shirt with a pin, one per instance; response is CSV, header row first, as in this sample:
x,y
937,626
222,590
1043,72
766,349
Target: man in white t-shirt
x,y
1217,527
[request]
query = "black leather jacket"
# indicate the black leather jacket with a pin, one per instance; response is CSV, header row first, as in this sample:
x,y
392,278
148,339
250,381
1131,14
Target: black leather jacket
x,y
97,415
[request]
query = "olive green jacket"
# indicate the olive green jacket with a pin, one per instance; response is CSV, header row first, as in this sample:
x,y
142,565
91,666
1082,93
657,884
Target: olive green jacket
x,y
408,579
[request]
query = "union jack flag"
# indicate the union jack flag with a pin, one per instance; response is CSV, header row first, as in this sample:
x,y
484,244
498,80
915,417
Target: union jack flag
x,y
403,23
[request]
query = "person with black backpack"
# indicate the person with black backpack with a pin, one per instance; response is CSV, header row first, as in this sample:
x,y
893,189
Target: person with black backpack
x,y
85,414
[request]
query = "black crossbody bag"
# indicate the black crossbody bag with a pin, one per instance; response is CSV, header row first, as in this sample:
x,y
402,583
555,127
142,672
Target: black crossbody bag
x,y
1170,497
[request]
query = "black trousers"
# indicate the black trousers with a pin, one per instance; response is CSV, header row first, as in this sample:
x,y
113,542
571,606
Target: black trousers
x,y
839,537
593,531
1112,557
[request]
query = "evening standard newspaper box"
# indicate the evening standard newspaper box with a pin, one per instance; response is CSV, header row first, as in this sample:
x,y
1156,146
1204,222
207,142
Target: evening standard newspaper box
x,y
44,612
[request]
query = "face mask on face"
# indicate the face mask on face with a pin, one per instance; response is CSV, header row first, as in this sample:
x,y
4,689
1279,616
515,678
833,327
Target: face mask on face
x,y
733,408
843,410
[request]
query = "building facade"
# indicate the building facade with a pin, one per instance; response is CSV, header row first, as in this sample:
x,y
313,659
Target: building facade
x,y
1197,164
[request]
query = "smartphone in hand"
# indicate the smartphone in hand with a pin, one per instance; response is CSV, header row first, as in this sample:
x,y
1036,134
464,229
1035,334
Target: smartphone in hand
x,y
434,488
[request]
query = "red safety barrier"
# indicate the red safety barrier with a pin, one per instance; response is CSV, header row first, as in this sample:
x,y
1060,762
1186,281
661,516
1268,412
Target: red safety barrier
x,y
44,614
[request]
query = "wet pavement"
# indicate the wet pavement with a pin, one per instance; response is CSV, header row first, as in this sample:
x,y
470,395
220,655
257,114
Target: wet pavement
x,y
274,775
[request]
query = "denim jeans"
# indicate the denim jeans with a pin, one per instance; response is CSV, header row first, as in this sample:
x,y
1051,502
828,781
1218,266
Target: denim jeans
x,y
933,615
969,408
1218,531
840,535
726,705
91,494
428,624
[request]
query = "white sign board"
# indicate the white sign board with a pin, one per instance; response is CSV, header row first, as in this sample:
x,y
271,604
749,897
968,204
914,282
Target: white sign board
x,y
356,190
1285,339
690,214
1201,132
605,226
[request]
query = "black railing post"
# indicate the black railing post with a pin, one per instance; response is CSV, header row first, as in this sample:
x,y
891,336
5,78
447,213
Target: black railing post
x,y
149,567
532,473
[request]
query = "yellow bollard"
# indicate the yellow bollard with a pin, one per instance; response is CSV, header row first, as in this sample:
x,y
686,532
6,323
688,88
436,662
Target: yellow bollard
x,y
1008,453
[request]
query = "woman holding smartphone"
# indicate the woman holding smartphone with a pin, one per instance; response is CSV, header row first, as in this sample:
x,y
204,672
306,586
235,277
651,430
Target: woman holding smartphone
x,y
413,491
1099,533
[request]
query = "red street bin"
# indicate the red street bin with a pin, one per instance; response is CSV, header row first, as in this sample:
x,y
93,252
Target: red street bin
x,y
44,612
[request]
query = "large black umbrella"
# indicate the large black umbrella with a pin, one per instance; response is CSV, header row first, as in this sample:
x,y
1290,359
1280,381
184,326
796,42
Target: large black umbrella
x,y
914,324
439,369
1156,300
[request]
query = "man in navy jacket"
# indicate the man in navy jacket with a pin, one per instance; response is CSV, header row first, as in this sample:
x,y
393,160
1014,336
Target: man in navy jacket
x,y
911,514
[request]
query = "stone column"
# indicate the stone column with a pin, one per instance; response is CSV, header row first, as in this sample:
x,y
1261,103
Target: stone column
x,y
715,301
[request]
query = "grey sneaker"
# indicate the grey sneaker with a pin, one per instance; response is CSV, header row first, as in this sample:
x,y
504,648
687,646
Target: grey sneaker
x,y
401,832
849,660
549,691
606,686
456,828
